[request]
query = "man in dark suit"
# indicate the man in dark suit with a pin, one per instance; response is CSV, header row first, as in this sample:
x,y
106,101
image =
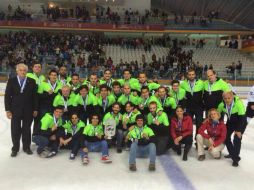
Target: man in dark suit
x,y
21,106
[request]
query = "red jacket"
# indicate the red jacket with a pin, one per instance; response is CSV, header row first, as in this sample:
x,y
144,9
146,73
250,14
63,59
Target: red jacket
x,y
218,134
187,127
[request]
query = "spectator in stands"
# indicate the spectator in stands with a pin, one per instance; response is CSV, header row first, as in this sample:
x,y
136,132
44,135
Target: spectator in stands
x,y
239,67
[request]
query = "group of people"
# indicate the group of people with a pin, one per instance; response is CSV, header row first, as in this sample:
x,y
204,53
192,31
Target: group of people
x,y
134,114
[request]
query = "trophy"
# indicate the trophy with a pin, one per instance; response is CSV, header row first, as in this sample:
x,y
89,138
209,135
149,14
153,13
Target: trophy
x,y
110,128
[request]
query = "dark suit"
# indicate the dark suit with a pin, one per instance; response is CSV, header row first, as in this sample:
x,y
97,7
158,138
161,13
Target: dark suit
x,y
21,105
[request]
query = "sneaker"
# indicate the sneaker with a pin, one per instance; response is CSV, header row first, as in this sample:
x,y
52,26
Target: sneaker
x,y
133,168
235,164
201,157
119,150
51,154
151,167
72,156
43,154
85,160
105,159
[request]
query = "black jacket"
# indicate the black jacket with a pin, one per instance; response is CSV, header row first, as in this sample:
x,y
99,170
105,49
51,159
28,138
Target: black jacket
x,y
21,104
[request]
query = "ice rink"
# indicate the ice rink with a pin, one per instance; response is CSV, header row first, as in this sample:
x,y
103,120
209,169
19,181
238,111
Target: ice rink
x,y
35,173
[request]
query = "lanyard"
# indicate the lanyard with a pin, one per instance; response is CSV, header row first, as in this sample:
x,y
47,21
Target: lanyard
x,y
210,88
229,109
176,97
139,131
163,102
145,101
65,102
95,131
144,84
63,81
109,83
180,125
84,103
129,114
74,129
52,87
155,118
214,129
22,86
74,87
104,104
55,120
192,86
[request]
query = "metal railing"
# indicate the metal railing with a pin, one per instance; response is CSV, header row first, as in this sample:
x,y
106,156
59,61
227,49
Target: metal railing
x,y
169,22
245,78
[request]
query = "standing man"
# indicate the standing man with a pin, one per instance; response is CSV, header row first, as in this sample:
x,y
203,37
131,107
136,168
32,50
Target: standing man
x,y
107,78
36,73
21,106
178,93
194,89
63,77
214,88
236,124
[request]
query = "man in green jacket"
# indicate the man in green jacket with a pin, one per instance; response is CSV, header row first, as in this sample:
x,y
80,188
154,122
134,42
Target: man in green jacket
x,y
142,138
70,134
117,117
236,124
46,135
157,120
36,73
93,140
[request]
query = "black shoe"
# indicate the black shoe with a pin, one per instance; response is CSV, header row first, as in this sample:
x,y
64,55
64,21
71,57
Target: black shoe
x,y
228,156
119,150
179,151
151,167
14,153
184,157
201,157
28,151
235,164
133,167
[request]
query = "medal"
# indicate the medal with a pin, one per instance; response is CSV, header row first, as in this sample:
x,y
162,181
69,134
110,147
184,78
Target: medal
x,y
22,86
